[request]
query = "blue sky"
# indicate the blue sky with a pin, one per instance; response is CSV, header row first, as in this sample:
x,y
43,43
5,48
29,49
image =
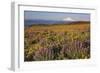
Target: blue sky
x,y
33,15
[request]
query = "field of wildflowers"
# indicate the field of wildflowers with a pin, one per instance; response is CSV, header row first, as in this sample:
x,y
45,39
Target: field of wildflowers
x,y
56,42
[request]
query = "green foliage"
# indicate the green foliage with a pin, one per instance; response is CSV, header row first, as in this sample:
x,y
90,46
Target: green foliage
x,y
51,45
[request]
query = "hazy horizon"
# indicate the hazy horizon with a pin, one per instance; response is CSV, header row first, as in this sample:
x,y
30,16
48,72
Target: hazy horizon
x,y
41,17
56,16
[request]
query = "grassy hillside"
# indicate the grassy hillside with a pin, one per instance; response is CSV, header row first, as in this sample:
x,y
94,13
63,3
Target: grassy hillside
x,y
60,27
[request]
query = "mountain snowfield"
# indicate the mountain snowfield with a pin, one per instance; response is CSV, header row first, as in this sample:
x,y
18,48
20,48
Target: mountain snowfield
x,y
69,19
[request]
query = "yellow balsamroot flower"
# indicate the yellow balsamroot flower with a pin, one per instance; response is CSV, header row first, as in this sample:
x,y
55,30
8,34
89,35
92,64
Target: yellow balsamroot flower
x,y
37,46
